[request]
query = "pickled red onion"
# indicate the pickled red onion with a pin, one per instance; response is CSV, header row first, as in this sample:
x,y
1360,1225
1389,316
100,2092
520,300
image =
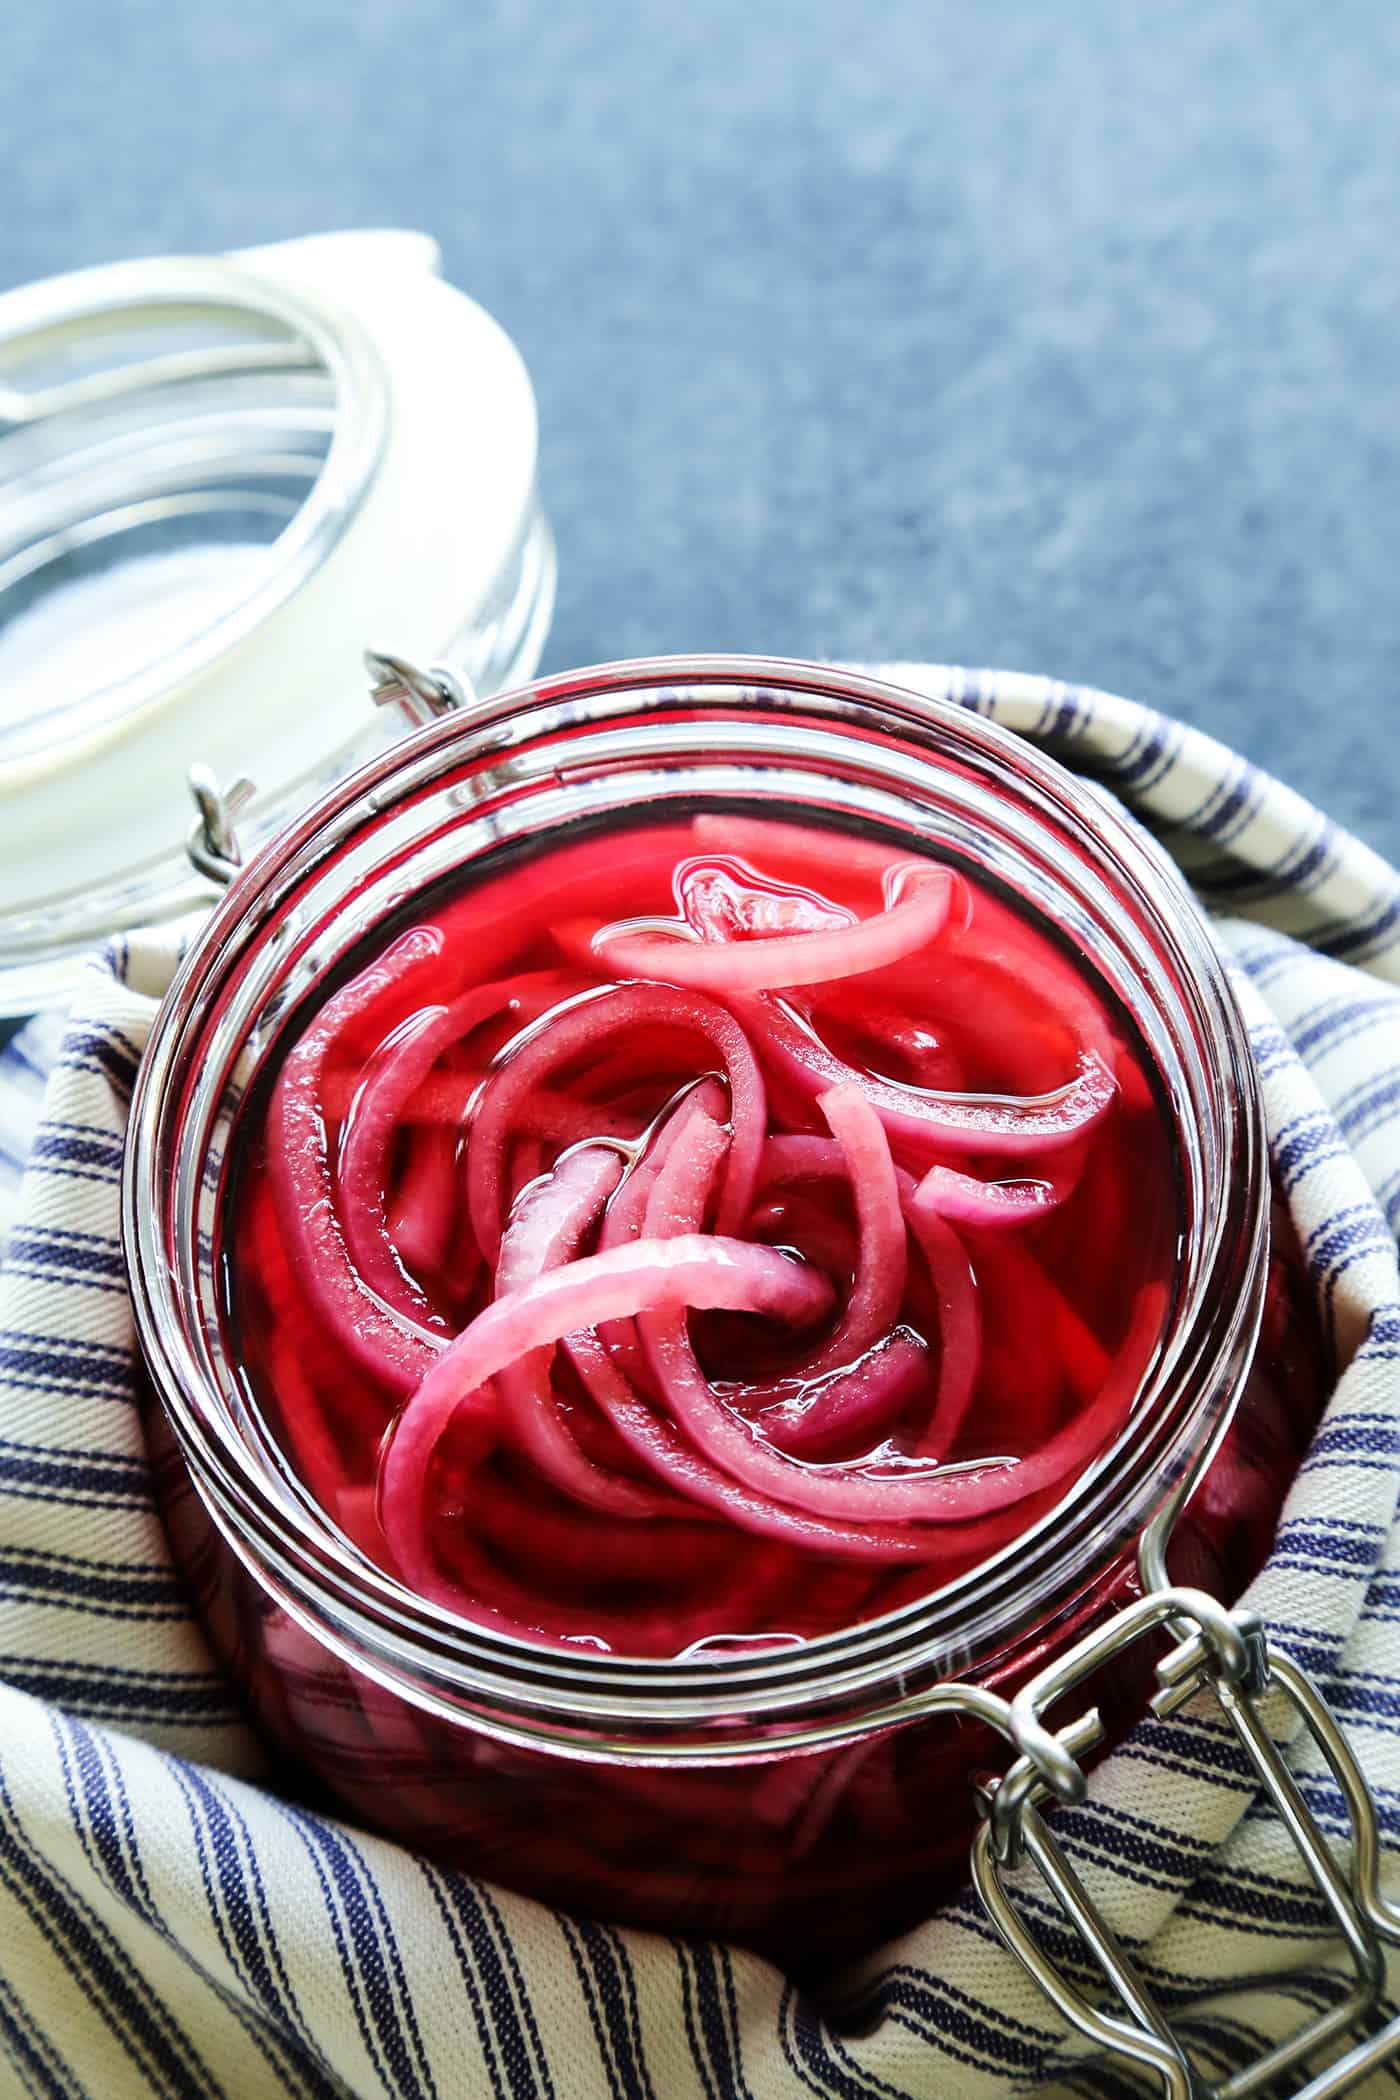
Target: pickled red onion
x,y
919,1495
959,1324
545,1232
853,1377
854,1405
362,1168
928,1118
778,841
393,1351
660,1445
954,1285
499,1188
586,1024
781,961
684,1270
964,1200
422,1212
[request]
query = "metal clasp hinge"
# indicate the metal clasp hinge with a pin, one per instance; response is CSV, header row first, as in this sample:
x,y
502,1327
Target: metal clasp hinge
x,y
1227,1654
212,842
421,695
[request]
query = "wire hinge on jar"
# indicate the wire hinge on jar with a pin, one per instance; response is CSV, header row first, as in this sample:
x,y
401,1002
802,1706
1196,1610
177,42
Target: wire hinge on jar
x,y
212,842
1227,1655
421,695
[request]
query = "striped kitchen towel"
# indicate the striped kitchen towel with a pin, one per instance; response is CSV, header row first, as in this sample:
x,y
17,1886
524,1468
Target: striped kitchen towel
x,y
168,1926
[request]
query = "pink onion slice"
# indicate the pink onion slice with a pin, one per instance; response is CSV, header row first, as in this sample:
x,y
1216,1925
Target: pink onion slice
x,y
423,1209
381,1342
724,898
882,1257
913,1494
720,1434
929,1119
548,1226
858,1381
690,1269
779,842
665,1452
588,1024
526,1165
898,1045
622,1220
794,1158
959,1323
384,1099
1009,1012
362,1169
784,960
827,1240
963,1200
855,1405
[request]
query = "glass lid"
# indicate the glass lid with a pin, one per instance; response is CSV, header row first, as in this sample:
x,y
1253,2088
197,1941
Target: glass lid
x,y
220,480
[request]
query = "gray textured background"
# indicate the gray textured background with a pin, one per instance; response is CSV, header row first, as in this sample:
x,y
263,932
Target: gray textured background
x,y
1063,334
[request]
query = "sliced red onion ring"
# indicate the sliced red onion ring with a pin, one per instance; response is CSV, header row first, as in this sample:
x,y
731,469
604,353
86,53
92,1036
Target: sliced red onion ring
x,y
423,1209
665,1452
929,1119
362,1169
690,1269
917,1494
954,1285
781,843
854,1406
963,1200
863,1154
784,960
859,1374
379,1340
959,1324
725,898
545,1233
586,1025
622,1221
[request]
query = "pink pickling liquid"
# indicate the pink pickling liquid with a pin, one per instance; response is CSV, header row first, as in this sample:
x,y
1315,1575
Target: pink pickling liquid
x,y
948,1350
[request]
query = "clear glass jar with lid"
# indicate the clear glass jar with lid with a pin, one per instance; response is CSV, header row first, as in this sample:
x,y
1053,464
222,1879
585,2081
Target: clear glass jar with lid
x,y
205,461
809,1801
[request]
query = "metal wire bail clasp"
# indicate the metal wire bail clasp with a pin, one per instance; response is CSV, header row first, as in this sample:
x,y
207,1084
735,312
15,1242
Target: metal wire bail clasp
x,y
212,842
1228,1654
421,695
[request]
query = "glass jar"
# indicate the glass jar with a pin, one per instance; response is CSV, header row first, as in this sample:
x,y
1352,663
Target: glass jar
x,y
203,460
808,1800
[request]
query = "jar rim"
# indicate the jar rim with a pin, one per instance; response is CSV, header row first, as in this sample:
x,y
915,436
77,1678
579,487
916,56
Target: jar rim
x,y
634,1705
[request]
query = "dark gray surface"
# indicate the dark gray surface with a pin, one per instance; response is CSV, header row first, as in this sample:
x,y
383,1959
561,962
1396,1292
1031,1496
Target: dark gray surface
x,y
1064,336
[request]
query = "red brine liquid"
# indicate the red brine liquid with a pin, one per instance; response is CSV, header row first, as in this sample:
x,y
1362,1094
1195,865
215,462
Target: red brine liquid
x,y
701,1235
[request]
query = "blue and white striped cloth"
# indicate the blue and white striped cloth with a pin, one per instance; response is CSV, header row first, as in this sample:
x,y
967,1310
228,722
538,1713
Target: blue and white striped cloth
x,y
169,1927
